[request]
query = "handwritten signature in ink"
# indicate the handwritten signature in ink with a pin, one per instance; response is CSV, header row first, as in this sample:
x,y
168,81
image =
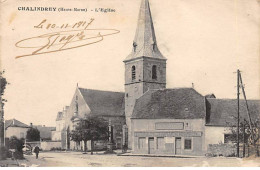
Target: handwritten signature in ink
x,y
64,40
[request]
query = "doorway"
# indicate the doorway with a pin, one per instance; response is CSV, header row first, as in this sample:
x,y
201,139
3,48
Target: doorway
x,y
150,145
177,146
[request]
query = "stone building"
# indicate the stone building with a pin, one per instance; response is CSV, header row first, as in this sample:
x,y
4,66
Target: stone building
x,y
60,134
145,67
171,121
106,104
16,128
150,118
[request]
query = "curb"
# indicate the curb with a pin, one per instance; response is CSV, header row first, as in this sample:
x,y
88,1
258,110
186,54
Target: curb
x,y
167,156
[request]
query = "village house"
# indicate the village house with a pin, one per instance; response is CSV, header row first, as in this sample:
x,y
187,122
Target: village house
x,y
59,133
16,128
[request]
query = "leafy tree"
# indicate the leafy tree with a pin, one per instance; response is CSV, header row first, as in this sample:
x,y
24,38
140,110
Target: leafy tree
x,y
251,135
3,83
33,134
90,128
17,145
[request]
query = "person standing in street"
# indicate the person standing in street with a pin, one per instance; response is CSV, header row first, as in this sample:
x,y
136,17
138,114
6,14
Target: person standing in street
x,y
36,151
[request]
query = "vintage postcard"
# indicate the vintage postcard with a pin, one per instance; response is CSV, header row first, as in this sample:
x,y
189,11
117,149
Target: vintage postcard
x,y
130,83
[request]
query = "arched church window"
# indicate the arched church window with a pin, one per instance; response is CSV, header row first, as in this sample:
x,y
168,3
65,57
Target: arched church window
x,y
154,72
133,72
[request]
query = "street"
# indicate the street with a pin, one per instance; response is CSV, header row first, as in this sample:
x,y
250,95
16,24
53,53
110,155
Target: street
x,y
78,159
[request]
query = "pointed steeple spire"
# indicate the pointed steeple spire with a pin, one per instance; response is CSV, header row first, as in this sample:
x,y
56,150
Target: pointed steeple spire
x,y
144,43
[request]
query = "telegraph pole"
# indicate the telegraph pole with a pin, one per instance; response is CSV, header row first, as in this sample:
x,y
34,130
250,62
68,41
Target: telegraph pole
x,y
238,73
244,138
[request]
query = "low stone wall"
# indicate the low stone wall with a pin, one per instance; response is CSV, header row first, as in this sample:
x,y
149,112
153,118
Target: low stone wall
x,y
222,149
47,145
34,143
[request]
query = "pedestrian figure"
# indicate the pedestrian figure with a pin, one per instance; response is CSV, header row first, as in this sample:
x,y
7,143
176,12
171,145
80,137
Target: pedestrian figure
x,y
36,151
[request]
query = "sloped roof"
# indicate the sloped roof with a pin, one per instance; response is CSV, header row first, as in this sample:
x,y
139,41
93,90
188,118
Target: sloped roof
x,y
145,40
60,116
45,131
105,103
182,103
15,123
223,112
210,95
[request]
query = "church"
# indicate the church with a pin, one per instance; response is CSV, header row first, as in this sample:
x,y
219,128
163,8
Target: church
x,y
150,118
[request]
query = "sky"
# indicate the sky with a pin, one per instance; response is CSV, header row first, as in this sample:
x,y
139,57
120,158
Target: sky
x,y
205,42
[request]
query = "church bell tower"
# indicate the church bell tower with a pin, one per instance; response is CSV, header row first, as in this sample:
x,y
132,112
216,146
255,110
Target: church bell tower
x,y
145,67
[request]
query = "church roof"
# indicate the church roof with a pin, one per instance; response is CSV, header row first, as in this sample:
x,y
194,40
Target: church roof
x,y
105,103
15,123
223,112
182,103
145,41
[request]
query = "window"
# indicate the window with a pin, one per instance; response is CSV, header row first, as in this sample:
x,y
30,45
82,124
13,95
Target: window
x,y
133,72
187,144
141,143
154,72
154,44
160,143
134,45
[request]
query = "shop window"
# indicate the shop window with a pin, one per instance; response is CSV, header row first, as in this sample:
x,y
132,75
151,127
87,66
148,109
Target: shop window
x,y
141,143
160,143
187,144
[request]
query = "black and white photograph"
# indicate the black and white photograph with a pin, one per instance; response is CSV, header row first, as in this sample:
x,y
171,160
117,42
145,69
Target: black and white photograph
x,y
130,83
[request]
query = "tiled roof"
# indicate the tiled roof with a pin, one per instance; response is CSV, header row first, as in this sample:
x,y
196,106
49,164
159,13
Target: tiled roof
x,y
223,112
15,123
182,103
105,103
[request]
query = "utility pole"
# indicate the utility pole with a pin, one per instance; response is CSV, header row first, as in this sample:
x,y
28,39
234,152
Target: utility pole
x,y
238,73
244,139
2,124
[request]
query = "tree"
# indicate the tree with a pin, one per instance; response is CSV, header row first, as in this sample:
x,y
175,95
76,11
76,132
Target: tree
x,y
91,128
17,145
251,136
33,134
3,83
247,136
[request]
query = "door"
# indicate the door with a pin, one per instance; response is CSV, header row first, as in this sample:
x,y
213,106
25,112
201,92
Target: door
x,y
150,145
177,146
